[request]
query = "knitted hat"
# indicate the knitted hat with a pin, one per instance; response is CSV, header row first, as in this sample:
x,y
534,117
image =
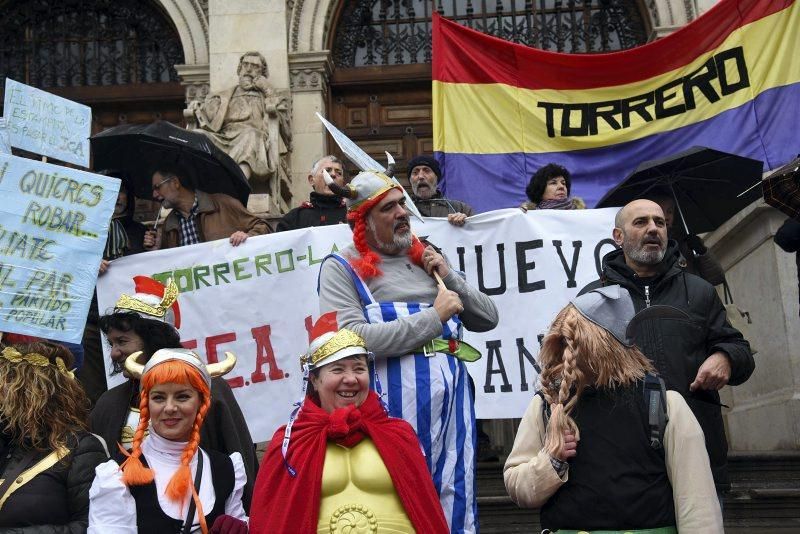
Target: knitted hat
x,y
425,160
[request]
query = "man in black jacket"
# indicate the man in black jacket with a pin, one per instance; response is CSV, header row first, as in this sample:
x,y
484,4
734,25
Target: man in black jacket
x,y
696,358
424,174
323,207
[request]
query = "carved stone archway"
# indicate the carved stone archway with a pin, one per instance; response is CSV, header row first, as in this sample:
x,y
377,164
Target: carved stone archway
x,y
190,18
311,21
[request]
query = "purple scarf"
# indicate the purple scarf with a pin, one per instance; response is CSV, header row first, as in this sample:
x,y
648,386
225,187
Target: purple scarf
x,y
555,204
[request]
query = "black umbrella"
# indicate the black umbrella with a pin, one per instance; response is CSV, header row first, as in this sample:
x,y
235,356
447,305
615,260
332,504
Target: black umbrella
x,y
703,182
137,148
782,189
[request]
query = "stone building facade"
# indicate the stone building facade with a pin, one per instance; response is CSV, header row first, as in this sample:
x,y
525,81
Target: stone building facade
x,y
338,58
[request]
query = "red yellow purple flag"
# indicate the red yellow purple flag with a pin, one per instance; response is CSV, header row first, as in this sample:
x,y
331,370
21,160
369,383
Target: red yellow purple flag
x,y
730,80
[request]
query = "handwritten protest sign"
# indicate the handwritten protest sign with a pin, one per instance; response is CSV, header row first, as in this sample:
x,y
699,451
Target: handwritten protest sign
x,y
47,124
5,146
259,299
53,228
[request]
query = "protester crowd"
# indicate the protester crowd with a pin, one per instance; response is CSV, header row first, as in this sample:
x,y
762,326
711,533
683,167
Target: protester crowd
x,y
624,434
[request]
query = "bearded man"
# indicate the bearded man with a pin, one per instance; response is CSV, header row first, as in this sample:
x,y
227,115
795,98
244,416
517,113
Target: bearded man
x,y
383,288
696,358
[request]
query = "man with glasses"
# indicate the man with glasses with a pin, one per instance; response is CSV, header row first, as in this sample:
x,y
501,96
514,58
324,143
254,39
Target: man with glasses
x,y
198,216
323,207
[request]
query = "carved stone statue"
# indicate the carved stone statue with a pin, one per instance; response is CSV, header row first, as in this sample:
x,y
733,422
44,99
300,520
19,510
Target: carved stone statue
x,y
251,123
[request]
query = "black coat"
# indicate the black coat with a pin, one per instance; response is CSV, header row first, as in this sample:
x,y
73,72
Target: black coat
x,y
320,210
224,429
677,348
788,238
56,501
439,206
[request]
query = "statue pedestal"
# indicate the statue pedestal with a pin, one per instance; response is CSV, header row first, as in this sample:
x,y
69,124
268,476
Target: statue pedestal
x,y
262,203
765,410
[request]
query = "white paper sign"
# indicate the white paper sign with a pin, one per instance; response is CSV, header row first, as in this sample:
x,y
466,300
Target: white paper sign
x,y
47,124
53,228
259,299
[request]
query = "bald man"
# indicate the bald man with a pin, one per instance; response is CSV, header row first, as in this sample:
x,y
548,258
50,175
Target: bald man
x,y
696,357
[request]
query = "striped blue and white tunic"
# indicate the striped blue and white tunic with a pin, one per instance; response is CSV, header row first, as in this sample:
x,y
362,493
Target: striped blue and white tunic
x,y
431,392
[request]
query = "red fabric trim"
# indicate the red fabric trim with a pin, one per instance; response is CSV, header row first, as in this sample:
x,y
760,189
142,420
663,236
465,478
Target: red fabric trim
x,y
149,286
463,55
285,504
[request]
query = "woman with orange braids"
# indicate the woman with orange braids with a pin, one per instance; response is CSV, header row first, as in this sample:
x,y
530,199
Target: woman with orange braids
x,y
602,446
168,483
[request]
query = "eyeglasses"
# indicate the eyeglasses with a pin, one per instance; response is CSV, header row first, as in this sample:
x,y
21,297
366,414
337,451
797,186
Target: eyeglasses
x,y
162,182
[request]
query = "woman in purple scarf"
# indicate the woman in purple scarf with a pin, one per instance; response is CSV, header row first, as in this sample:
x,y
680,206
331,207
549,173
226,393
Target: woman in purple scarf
x,y
549,190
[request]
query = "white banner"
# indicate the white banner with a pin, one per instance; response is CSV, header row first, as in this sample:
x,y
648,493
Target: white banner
x,y
259,299
46,124
53,228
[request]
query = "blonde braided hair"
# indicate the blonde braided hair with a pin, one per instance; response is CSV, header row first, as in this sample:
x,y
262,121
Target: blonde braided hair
x,y
577,353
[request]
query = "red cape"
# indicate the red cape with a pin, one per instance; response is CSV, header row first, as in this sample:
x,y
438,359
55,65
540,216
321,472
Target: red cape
x,y
282,503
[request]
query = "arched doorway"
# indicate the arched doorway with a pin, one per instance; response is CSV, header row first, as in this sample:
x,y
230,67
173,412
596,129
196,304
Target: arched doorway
x,y
116,57
380,88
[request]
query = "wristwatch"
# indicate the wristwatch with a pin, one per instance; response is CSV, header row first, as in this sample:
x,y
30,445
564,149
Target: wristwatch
x,y
559,466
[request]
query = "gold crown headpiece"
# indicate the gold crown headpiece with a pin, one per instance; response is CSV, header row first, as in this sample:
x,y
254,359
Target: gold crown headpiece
x,y
157,310
334,346
34,358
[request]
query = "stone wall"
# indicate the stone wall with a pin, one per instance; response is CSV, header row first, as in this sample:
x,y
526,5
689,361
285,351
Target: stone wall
x,y
765,411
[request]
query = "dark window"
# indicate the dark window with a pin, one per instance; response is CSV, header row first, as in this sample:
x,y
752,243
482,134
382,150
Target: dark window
x,y
398,32
75,43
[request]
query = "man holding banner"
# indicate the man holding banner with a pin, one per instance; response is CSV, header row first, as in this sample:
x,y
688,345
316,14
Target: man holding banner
x,y
382,287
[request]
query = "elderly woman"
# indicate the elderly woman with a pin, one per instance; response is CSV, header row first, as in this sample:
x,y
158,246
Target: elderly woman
x,y
602,446
549,189
168,483
147,321
47,456
343,464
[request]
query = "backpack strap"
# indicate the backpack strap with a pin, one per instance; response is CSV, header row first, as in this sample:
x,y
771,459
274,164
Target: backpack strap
x,y
545,408
655,402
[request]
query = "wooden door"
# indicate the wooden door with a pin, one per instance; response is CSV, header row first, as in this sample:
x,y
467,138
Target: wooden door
x,y
389,110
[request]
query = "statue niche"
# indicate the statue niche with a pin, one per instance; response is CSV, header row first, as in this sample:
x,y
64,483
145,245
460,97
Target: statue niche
x,y
251,122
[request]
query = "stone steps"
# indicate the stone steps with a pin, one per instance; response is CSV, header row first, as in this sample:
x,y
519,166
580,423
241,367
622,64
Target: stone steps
x,y
765,497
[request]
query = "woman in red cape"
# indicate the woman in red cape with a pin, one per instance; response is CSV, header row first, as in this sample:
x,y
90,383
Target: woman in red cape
x,y
343,462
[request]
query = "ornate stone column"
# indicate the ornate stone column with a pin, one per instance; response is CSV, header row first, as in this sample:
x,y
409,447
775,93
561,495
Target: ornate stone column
x,y
196,80
309,73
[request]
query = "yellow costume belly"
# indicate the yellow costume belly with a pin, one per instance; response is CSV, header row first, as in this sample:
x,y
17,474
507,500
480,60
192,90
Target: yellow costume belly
x,y
358,496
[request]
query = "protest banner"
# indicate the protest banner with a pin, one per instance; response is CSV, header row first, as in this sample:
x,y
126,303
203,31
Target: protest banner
x,y
728,80
259,300
53,227
46,124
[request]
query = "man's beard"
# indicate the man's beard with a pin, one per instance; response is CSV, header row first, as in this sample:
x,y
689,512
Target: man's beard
x,y
399,242
427,191
637,253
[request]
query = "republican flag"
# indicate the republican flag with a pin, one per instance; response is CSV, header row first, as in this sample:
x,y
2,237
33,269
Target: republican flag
x,y
729,80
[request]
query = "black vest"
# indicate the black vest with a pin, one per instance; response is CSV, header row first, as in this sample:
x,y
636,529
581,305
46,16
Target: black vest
x,y
151,518
617,480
